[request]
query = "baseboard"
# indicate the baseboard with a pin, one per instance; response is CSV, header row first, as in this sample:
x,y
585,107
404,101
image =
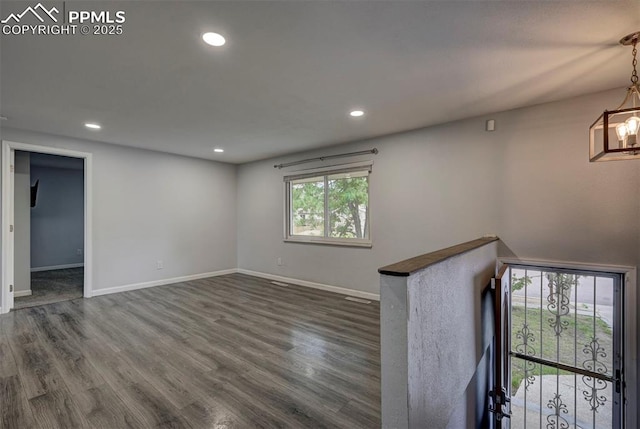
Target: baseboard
x,y
135,286
57,267
305,283
329,288
19,293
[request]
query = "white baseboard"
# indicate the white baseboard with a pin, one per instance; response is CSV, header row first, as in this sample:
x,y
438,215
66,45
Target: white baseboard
x,y
330,288
135,286
19,293
57,267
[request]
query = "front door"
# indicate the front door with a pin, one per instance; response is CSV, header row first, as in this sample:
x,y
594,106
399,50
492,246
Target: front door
x,y
565,350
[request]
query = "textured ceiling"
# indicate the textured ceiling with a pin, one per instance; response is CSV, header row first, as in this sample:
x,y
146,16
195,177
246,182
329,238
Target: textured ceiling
x,y
291,71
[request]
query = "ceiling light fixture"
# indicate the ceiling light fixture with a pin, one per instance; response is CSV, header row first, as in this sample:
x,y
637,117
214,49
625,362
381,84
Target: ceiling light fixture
x,y
356,113
218,150
213,39
614,136
92,126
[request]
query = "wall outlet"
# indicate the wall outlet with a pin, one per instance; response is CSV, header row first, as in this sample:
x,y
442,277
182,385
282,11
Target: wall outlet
x,y
279,261
159,265
79,252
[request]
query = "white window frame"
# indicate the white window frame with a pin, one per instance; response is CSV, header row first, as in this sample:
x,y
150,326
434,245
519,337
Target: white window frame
x,y
320,172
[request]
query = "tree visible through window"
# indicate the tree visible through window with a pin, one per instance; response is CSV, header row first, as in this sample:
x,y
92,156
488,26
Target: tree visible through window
x,y
307,203
332,206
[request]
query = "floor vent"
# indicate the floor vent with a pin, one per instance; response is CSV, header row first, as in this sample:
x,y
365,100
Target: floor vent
x,y
280,284
360,300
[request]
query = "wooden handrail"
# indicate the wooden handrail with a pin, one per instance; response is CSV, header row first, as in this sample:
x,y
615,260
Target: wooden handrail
x,y
408,266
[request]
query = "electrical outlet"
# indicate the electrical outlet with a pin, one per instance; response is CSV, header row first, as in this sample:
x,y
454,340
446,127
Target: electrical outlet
x,y
79,252
279,261
160,265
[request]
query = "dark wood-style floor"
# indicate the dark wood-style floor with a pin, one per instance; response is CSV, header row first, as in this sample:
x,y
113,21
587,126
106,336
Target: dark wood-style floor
x,y
226,352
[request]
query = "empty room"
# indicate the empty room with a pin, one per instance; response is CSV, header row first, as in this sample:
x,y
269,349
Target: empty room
x,y
305,214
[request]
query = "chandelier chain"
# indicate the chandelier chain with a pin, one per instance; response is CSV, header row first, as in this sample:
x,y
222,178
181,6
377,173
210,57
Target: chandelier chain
x,y
634,74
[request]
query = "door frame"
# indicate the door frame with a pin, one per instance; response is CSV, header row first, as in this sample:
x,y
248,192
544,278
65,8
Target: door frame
x,y
631,415
8,204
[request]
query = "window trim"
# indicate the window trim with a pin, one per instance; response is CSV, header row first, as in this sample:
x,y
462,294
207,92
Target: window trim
x,y
320,172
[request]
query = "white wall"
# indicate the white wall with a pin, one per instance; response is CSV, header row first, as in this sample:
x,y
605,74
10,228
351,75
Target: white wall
x,y
57,220
150,206
22,227
429,189
555,203
530,182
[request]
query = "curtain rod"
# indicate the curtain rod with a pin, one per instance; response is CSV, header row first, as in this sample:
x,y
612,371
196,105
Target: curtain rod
x,y
323,158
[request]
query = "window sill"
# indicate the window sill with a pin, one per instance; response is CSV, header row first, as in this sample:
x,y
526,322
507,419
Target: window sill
x,y
330,242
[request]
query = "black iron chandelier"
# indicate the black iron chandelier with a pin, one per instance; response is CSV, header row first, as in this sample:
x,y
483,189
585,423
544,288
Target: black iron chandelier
x,y
614,136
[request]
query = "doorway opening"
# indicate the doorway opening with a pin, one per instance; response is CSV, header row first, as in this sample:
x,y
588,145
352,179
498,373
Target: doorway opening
x,y
48,229
46,225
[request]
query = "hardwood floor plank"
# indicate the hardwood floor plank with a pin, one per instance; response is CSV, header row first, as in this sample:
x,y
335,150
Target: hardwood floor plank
x,y
57,409
8,365
149,406
18,327
37,372
102,408
111,366
160,374
44,328
76,371
232,351
213,415
282,404
363,414
14,411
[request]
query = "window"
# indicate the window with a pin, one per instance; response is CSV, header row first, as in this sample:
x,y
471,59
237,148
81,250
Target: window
x,y
330,206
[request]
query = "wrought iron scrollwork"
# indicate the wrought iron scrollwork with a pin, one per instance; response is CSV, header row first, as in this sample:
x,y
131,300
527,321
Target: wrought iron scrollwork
x,y
596,353
555,420
558,300
594,363
594,395
526,337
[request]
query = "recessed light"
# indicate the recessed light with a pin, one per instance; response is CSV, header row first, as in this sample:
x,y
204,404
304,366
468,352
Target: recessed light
x,y
218,150
92,126
356,113
214,39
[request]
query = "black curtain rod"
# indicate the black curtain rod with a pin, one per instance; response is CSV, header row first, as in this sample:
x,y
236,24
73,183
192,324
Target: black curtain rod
x,y
323,158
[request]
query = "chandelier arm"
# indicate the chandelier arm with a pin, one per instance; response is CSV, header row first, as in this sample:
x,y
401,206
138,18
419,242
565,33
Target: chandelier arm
x,y
630,91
